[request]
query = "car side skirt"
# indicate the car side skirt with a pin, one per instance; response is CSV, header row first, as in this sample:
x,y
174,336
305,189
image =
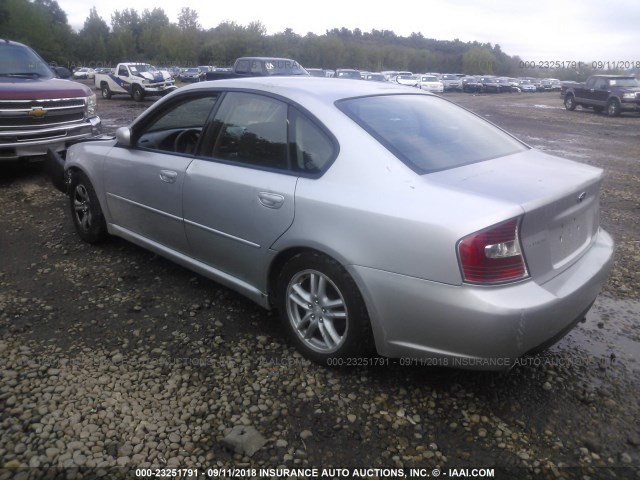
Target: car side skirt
x,y
244,288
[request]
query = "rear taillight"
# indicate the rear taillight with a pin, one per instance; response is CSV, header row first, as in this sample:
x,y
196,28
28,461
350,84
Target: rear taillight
x,y
493,255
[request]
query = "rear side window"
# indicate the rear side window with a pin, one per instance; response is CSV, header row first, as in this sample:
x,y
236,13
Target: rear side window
x,y
255,130
427,132
312,148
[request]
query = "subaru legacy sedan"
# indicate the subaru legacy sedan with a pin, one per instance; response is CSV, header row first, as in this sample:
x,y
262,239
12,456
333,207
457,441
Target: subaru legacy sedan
x,y
372,217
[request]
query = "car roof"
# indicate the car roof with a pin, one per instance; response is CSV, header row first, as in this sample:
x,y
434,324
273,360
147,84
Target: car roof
x,y
300,88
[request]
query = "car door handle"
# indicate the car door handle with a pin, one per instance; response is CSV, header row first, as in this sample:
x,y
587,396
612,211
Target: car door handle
x,y
271,200
168,176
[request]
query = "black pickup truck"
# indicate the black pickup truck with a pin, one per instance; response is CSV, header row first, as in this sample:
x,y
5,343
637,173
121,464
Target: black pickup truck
x,y
615,93
260,67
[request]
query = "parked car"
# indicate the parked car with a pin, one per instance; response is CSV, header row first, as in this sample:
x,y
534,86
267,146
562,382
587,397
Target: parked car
x,y
409,80
430,83
526,86
348,73
375,77
490,84
545,86
316,72
318,199
450,81
471,84
84,74
506,85
190,75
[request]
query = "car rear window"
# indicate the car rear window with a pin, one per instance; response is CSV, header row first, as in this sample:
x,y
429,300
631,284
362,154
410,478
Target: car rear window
x,y
427,132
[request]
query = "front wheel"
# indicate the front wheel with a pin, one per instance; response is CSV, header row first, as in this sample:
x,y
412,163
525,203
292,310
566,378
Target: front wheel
x,y
613,108
85,210
569,102
322,309
138,94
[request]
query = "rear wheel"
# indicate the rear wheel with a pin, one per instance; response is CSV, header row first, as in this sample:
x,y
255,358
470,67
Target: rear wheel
x,y
613,108
322,309
106,91
85,210
569,102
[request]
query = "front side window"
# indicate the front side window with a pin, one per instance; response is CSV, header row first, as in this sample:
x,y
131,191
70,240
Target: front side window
x,y
178,128
427,132
251,129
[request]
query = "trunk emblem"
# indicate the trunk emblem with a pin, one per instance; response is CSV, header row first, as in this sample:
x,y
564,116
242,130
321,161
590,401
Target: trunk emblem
x,y
582,196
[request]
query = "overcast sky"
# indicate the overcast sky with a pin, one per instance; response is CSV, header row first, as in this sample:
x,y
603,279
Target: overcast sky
x,y
542,30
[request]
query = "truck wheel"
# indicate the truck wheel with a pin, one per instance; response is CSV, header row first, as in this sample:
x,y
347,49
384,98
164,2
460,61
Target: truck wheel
x,y
569,102
106,91
613,108
138,94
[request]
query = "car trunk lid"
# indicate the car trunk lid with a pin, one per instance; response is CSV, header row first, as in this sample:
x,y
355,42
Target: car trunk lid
x,y
558,198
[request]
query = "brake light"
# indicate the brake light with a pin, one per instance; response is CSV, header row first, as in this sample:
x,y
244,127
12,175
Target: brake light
x,y
493,255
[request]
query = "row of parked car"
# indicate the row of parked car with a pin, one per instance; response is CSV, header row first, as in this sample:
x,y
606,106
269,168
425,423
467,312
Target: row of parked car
x,y
433,82
441,82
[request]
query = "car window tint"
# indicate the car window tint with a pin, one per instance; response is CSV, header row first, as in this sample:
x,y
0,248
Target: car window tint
x,y
427,132
190,114
313,148
252,129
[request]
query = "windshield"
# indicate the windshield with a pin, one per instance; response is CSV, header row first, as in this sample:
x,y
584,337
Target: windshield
x,y
19,61
427,132
142,68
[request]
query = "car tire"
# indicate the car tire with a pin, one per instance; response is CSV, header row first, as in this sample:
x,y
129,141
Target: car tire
x,y
570,102
106,91
613,108
137,94
86,212
322,310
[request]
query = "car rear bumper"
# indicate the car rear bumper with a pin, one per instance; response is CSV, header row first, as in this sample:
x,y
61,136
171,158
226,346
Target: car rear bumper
x,y
477,327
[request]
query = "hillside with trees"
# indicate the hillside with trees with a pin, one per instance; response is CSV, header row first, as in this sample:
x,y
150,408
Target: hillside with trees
x,y
151,36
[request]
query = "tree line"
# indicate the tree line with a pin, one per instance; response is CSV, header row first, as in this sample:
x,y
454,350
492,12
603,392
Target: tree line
x,y
150,36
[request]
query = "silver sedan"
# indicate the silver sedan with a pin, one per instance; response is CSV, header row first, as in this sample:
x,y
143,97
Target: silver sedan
x,y
372,217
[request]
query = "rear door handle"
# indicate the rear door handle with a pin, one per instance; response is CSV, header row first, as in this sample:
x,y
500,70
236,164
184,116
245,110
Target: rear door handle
x,y
168,176
271,200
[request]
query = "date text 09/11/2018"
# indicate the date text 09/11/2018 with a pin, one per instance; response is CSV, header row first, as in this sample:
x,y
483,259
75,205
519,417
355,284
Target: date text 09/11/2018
x,y
576,65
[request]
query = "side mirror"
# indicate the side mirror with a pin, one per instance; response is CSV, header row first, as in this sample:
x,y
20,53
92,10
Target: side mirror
x,y
123,136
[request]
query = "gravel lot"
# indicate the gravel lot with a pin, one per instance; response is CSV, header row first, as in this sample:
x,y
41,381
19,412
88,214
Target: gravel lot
x,y
112,358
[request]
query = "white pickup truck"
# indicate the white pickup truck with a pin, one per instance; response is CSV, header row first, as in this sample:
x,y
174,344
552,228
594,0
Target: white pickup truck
x,y
135,79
